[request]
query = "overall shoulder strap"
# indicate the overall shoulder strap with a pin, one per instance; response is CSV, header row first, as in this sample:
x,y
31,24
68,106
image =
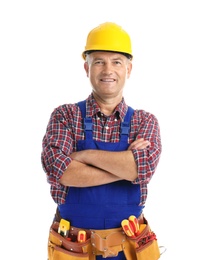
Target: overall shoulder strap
x,y
82,106
87,121
125,126
129,114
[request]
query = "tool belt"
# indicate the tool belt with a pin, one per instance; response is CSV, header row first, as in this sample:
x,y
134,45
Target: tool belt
x,y
108,243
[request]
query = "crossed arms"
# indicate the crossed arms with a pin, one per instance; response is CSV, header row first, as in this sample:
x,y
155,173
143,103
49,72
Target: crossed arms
x,y
97,167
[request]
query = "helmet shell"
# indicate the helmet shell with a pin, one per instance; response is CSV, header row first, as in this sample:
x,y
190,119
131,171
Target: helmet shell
x,y
108,37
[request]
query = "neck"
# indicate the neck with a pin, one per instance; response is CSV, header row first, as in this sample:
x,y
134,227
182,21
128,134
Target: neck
x,y
107,105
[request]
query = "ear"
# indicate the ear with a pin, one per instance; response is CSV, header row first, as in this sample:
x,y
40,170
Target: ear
x,y
86,68
129,69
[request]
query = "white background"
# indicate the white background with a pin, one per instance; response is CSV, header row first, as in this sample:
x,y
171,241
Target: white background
x,y
41,67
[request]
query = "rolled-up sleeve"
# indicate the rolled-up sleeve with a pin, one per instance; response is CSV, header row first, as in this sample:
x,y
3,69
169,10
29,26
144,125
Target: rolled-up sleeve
x,y
147,159
57,145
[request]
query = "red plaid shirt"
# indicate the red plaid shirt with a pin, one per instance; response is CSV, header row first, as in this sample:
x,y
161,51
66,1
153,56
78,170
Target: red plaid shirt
x,y
65,129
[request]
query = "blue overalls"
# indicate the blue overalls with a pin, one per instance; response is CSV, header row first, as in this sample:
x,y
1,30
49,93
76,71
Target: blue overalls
x,y
104,206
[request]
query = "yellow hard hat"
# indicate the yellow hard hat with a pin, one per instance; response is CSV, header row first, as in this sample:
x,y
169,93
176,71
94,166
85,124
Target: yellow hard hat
x,y
108,37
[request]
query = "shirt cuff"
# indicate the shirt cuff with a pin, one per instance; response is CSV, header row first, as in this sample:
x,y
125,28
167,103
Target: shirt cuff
x,y
58,168
141,160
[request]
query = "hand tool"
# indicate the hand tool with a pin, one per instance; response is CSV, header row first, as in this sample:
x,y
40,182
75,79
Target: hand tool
x,y
64,227
128,228
134,222
81,237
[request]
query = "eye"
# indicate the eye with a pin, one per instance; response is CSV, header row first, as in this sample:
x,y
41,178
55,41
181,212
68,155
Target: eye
x,y
98,62
117,62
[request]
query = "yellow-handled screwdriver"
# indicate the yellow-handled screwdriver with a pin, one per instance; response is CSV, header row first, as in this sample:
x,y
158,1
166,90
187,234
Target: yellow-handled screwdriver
x,y
128,228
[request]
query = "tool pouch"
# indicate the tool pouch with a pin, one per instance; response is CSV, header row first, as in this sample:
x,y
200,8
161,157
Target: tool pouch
x,y
60,248
108,243
143,247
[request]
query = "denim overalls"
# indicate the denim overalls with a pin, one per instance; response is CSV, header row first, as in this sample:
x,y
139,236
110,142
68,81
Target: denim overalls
x,y
104,206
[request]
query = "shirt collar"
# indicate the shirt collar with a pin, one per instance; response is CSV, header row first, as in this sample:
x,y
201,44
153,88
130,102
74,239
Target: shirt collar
x,y
93,108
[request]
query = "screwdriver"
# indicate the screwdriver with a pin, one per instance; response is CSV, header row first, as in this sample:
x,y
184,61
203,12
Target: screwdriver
x,y
128,228
81,236
134,222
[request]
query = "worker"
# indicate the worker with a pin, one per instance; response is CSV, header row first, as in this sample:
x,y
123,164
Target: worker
x,y
99,154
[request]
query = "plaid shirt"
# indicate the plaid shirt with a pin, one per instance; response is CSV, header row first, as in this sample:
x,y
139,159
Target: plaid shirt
x,y
65,129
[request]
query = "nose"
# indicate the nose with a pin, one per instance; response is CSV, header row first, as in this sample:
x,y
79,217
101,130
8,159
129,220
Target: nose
x,y
107,69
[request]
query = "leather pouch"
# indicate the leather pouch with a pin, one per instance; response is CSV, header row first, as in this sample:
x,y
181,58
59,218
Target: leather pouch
x,y
143,247
149,251
60,248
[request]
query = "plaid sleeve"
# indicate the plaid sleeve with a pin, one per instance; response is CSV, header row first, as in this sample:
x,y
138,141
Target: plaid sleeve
x,y
147,159
57,145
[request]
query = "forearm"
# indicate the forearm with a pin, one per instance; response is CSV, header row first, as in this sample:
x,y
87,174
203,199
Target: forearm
x,y
79,174
120,164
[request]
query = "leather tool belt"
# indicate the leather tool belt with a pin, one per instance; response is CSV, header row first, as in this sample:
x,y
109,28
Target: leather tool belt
x,y
108,243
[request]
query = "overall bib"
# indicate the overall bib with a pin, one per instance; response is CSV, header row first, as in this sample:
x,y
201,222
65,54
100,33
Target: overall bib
x,y
104,206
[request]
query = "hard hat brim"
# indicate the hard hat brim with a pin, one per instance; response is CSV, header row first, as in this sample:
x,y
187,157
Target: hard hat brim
x,y
85,53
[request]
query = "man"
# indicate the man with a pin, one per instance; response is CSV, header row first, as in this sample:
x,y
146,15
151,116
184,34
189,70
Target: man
x,y
100,154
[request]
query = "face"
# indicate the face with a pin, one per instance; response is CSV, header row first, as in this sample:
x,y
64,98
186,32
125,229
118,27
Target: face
x,y
107,72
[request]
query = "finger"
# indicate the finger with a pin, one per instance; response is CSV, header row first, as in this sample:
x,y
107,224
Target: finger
x,y
144,145
137,142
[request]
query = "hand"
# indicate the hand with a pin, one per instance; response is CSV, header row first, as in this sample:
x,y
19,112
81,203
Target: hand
x,y
139,144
